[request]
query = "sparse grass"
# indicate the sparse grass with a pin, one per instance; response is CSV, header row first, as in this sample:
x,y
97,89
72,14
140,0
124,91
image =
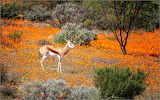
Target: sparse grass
x,y
15,35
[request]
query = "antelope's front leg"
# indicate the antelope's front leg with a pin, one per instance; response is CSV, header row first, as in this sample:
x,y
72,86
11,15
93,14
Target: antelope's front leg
x,y
59,64
59,67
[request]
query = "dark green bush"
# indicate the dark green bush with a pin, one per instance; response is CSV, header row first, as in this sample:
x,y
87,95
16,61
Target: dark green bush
x,y
76,33
93,15
9,10
12,10
3,73
119,83
37,13
9,82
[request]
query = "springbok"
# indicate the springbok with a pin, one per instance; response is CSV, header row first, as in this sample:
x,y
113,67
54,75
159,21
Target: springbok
x,y
59,52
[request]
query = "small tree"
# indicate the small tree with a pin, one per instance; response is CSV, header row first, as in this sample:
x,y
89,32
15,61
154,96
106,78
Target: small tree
x,y
119,83
122,17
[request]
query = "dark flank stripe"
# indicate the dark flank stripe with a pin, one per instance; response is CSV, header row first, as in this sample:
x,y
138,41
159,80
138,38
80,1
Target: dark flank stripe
x,y
53,51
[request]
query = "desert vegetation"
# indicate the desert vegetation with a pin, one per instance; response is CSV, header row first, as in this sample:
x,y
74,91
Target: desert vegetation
x,y
116,54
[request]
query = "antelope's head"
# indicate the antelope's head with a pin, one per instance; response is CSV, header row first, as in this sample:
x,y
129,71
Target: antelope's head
x,y
70,44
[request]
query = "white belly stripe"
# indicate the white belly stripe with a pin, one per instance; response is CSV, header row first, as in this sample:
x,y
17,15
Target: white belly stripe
x,y
52,54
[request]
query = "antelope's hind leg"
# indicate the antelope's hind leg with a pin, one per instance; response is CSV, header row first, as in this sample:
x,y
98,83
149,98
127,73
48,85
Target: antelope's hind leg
x,y
43,58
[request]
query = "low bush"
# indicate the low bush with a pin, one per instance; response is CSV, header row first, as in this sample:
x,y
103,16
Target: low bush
x,y
37,13
15,35
58,89
76,33
85,93
9,82
52,89
3,73
119,83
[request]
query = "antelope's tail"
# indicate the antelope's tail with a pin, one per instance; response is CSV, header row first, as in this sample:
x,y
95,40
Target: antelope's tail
x,y
40,50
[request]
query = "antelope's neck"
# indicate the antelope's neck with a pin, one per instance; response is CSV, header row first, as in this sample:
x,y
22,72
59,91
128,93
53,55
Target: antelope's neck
x,y
66,49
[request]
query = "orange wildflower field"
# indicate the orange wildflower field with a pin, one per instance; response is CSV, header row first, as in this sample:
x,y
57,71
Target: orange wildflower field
x,y
22,56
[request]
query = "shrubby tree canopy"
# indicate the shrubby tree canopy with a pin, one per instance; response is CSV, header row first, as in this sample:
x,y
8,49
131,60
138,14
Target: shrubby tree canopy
x,y
122,17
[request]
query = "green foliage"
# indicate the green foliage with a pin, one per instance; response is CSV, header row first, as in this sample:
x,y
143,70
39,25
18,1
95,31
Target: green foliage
x,y
92,4
122,83
12,10
122,15
66,12
127,15
93,14
3,73
15,35
51,89
88,23
85,93
149,16
37,13
76,33
58,89
8,88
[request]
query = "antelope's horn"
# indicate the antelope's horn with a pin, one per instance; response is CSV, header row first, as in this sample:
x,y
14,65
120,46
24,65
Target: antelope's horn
x,y
65,39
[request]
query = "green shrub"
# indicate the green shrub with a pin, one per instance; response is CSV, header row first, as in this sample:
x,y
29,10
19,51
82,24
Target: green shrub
x,y
85,93
51,89
91,17
76,33
9,82
88,23
3,73
9,10
12,10
58,89
119,83
66,12
37,13
15,35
